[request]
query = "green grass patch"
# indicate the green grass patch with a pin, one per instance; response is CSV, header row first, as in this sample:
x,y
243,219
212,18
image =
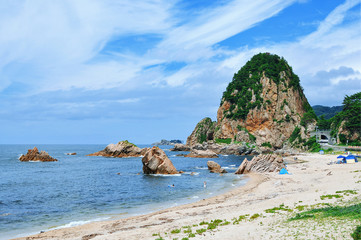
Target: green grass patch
x,y
225,223
282,207
201,230
330,196
347,192
175,231
254,216
203,223
191,235
301,207
356,235
349,212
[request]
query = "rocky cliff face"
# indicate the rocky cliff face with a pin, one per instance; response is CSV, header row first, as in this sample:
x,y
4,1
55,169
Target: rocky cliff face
x,y
263,104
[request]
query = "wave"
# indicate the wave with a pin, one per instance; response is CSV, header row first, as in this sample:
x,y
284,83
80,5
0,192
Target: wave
x,y
203,168
191,173
77,223
166,175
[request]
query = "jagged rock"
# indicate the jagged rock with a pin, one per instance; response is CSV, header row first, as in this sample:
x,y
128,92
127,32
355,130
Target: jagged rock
x,y
261,163
202,154
121,149
155,161
215,167
34,155
180,147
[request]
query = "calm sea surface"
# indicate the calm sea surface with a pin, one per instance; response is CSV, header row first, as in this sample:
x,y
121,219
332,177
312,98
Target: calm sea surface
x,y
36,196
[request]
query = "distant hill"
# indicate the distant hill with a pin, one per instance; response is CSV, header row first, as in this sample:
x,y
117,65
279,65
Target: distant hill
x,y
166,142
328,112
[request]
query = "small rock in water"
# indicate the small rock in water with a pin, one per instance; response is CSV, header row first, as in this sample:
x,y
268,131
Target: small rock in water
x,y
73,153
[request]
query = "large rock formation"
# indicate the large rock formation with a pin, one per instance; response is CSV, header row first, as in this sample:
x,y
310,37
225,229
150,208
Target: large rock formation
x,y
262,105
214,167
34,155
261,163
202,154
121,149
155,161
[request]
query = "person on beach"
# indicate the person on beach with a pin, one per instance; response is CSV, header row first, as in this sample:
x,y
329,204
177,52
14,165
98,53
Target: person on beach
x,y
204,184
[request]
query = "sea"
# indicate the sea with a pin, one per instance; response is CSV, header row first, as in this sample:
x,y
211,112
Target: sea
x,y
78,189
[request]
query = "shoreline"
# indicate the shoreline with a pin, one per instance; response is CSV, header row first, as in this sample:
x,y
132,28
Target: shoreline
x,y
310,178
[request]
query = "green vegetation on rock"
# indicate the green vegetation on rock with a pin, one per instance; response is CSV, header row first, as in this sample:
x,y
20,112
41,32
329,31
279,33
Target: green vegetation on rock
x,y
247,83
351,116
225,140
205,130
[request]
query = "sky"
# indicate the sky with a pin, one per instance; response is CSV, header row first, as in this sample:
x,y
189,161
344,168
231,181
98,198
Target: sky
x,y
102,71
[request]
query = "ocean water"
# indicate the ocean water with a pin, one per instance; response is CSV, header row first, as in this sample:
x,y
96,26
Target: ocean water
x,y
38,196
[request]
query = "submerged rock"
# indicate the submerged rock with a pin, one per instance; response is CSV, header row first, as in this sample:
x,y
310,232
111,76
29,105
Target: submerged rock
x,y
215,167
155,161
121,149
261,163
34,155
202,154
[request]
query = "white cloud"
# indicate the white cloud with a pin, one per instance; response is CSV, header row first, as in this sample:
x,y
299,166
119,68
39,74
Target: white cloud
x,y
47,37
193,40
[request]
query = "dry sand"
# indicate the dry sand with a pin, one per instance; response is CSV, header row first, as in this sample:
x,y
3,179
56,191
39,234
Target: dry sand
x,y
310,178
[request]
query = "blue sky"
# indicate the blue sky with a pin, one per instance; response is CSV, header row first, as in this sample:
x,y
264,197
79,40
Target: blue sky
x,y
101,71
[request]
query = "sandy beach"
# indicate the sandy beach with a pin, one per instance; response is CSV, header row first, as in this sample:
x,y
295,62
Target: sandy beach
x,y
242,211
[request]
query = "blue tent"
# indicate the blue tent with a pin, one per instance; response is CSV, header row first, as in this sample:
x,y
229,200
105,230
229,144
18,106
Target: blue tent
x,y
352,157
343,159
283,171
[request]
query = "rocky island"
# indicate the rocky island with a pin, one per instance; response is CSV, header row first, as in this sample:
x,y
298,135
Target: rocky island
x,y
121,149
34,155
